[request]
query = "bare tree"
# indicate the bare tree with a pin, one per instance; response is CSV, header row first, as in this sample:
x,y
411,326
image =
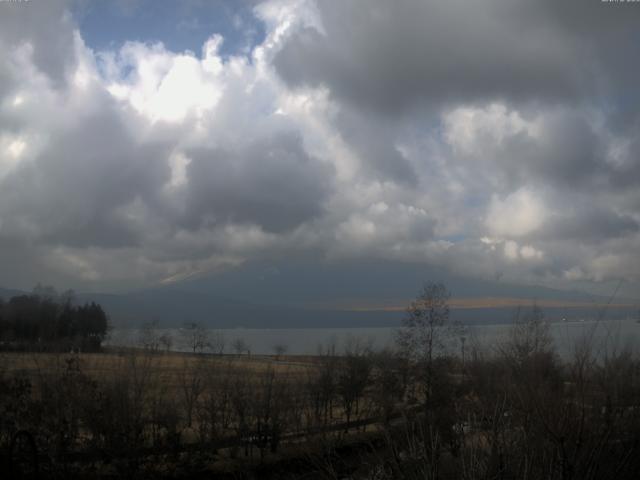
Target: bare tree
x,y
386,382
149,337
321,387
354,377
240,346
191,386
280,349
217,342
529,335
426,330
242,402
269,409
166,340
421,337
215,412
196,337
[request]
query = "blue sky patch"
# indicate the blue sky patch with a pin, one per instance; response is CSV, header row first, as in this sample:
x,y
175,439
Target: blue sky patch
x,y
180,26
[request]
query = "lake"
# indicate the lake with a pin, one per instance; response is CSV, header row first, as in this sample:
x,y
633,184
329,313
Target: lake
x,y
605,336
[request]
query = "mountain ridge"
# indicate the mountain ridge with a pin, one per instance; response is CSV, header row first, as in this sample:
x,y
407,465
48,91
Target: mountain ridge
x,y
305,295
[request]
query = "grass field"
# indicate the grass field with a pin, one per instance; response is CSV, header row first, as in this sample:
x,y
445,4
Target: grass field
x,y
113,360
170,367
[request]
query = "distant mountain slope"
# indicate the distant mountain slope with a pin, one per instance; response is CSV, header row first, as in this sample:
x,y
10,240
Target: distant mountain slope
x,y
307,283
337,294
334,294
172,308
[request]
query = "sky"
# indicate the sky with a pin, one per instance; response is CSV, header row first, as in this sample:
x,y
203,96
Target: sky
x,y
144,142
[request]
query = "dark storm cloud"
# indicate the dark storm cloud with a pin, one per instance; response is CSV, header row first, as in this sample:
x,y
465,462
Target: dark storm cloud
x,y
626,172
609,32
379,59
69,194
587,223
271,182
389,55
566,152
373,140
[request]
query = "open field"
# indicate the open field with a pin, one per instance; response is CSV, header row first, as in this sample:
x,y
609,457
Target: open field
x,y
169,364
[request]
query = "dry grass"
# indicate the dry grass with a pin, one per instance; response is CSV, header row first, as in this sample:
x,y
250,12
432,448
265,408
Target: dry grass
x,y
169,366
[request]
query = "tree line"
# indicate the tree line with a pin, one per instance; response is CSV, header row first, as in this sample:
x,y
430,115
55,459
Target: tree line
x,y
47,320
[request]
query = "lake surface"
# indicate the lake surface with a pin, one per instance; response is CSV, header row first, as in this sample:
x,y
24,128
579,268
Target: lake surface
x,y
605,336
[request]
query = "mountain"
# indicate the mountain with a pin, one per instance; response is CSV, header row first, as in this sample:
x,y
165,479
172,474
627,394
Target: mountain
x,y
334,294
174,308
358,284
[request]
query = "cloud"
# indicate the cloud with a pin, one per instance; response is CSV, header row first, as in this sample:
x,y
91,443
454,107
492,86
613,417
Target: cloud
x,y
270,182
518,214
135,155
49,43
166,87
390,56
496,142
